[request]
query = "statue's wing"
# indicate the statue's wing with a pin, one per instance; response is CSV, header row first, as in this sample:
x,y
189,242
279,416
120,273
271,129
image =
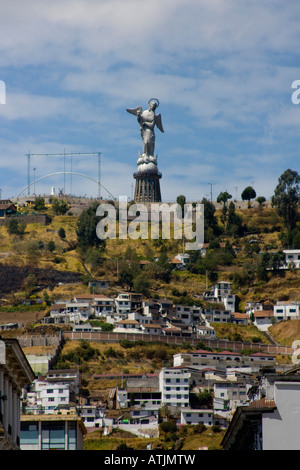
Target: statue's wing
x,y
158,122
134,110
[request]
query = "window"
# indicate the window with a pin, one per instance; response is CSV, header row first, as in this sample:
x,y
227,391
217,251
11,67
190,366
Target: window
x,y
29,433
53,435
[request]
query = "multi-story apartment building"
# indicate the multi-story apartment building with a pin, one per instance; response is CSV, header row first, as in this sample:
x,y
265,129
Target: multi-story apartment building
x,y
223,360
217,316
228,395
45,397
70,377
103,305
220,289
174,386
189,314
127,302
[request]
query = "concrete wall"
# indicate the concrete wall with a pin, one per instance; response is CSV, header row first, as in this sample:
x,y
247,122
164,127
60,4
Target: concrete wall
x,y
281,430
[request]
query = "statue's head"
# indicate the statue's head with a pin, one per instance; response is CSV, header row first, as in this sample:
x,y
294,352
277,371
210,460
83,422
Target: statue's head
x,y
153,103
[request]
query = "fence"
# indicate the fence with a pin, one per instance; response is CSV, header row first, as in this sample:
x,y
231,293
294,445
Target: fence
x,y
111,337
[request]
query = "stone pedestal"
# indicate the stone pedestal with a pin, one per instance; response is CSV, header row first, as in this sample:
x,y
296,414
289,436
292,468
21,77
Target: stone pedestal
x,y
147,187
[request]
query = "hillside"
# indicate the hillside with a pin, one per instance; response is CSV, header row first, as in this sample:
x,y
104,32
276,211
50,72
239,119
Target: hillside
x,y
44,265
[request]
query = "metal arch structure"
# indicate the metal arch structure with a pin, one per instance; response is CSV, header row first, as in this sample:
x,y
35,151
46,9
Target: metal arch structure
x,y
67,172
29,155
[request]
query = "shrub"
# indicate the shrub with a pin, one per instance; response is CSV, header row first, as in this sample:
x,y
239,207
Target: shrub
x,y
215,428
168,426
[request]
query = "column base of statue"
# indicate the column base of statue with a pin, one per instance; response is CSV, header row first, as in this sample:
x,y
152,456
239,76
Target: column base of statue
x,y
147,186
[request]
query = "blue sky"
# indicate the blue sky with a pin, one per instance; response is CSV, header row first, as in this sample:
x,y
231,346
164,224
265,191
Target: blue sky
x,y
221,69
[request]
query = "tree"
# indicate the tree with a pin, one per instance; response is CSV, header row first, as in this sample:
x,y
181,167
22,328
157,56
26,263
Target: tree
x,y
61,233
181,201
141,284
211,227
15,227
234,221
86,230
260,200
286,197
127,275
29,284
59,206
205,398
223,198
51,246
248,194
39,203
168,426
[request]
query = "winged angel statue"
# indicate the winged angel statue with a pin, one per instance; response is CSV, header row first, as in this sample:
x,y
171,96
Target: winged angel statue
x,y
147,120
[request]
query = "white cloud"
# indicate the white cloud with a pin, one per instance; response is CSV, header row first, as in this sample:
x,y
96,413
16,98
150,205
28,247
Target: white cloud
x,y
222,71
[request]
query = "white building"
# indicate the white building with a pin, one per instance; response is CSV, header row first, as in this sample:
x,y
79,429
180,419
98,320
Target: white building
x,y
229,302
151,329
206,332
83,309
127,302
220,289
174,386
224,360
92,416
127,326
292,258
217,316
271,420
123,304
286,311
142,318
188,314
263,319
184,258
228,395
193,416
46,397
103,305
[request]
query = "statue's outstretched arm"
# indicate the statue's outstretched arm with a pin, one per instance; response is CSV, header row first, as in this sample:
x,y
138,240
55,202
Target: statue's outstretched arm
x,y
134,111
